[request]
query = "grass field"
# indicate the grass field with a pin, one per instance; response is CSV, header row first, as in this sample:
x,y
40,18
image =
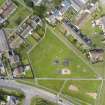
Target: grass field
x,y
80,95
43,59
18,16
1,2
83,87
95,33
54,85
40,101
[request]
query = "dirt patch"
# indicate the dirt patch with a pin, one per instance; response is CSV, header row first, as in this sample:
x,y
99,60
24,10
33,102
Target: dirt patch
x,y
92,94
65,71
73,88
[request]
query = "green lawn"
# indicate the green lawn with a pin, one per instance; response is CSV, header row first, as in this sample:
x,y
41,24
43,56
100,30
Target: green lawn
x,y
95,34
18,16
83,87
40,101
51,50
1,2
53,85
81,95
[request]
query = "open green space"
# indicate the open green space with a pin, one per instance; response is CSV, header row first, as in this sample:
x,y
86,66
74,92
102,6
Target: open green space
x,y
1,2
18,16
49,57
95,33
82,91
40,101
53,85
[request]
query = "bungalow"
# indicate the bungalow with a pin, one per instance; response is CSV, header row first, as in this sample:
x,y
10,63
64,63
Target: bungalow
x,y
96,55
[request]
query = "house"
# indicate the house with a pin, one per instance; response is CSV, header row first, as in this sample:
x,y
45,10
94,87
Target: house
x,y
18,71
101,23
3,41
57,14
13,58
96,55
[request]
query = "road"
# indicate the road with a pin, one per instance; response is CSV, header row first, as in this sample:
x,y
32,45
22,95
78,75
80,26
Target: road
x,y
30,92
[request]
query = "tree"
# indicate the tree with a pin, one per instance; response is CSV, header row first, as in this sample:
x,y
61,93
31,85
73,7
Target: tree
x,y
29,3
40,10
18,20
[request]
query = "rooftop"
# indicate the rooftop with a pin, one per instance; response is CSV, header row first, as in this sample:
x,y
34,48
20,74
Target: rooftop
x,y
3,41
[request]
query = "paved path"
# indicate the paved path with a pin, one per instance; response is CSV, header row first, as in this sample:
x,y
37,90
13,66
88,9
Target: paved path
x,y
30,92
76,79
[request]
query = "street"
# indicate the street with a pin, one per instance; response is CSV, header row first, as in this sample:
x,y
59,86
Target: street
x,y
30,92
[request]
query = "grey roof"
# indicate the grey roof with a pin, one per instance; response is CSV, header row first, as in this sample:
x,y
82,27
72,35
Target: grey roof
x,y
103,20
2,20
3,41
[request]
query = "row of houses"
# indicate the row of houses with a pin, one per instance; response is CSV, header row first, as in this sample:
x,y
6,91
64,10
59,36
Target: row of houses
x,y
6,10
24,30
77,34
11,57
57,14
6,49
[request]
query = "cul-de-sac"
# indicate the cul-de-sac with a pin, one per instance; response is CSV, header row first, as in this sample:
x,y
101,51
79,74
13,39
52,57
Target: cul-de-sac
x,y
52,52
